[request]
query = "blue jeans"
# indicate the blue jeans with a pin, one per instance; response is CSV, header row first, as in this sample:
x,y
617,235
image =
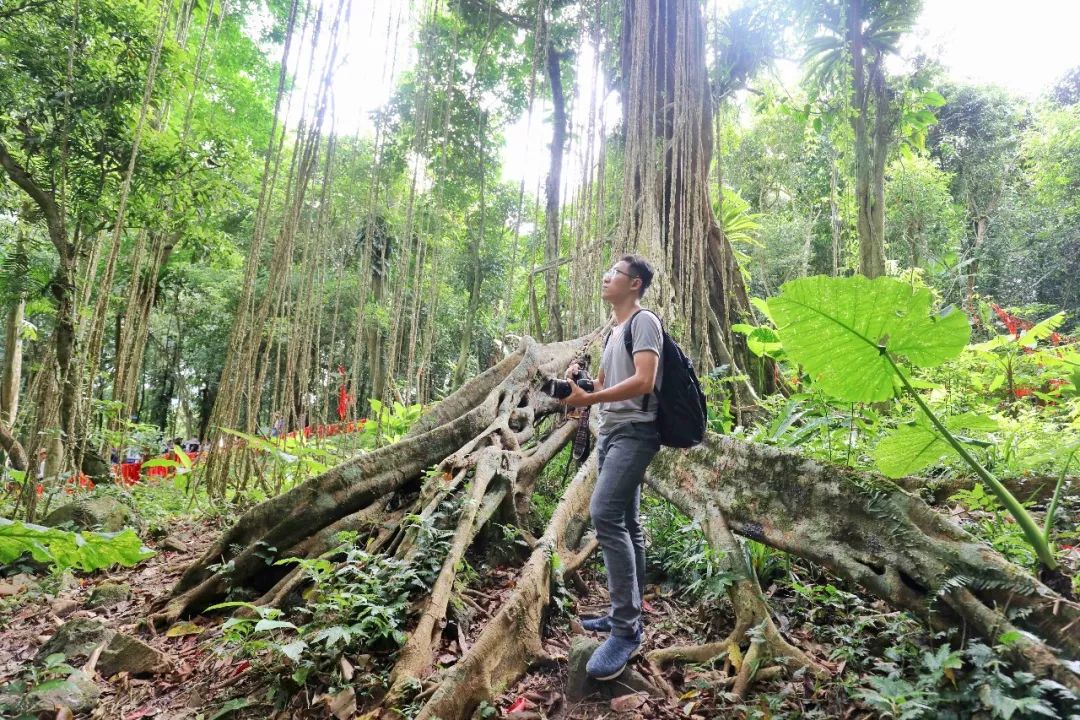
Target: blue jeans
x,y
623,454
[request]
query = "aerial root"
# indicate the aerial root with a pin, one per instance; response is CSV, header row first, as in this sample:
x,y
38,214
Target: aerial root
x,y
510,642
754,625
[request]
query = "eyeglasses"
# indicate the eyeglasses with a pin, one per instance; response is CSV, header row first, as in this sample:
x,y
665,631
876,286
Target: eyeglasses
x,y
610,274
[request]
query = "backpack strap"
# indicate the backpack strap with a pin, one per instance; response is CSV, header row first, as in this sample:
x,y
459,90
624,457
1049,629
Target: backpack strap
x,y
628,342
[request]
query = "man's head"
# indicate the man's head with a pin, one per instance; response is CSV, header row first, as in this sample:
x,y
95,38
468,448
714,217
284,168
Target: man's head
x,y
630,277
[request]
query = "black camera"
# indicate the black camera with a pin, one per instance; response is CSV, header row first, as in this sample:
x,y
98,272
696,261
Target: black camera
x,y
560,389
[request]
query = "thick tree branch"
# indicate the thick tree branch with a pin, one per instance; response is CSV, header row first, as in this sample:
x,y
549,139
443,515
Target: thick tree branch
x,y
864,528
13,448
44,199
29,5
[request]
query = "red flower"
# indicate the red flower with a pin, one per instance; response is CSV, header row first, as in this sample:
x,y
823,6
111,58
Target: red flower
x,y
40,490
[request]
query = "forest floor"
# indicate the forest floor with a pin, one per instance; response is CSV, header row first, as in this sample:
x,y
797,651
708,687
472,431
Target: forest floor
x,y
208,682
212,678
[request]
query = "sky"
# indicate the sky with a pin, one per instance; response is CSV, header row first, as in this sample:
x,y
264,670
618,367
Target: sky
x,y
1023,46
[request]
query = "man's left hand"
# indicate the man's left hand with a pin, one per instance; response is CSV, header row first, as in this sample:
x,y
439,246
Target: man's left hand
x,y
577,397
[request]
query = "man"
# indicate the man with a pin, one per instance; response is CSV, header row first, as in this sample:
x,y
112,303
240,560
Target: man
x,y
628,441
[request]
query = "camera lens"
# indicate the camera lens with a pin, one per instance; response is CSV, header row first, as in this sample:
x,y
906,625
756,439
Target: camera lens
x,y
558,389
585,384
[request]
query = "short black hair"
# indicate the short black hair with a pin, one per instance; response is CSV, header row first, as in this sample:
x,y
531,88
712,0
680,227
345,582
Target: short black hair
x,y
641,269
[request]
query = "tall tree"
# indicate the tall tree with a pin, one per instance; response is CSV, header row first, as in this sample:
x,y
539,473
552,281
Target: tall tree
x,y
552,187
852,39
977,140
666,209
75,76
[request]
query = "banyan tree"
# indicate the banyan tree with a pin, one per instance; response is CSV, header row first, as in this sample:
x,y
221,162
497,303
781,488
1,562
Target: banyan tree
x,y
481,449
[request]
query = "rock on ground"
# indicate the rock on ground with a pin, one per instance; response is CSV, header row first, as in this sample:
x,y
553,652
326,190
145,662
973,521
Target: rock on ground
x,y
96,513
78,693
579,686
121,653
108,594
74,639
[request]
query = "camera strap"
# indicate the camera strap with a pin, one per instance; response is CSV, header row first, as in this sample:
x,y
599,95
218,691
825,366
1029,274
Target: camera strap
x,y
583,438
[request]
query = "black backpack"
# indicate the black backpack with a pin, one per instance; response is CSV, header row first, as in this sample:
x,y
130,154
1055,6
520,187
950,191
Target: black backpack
x,y
682,414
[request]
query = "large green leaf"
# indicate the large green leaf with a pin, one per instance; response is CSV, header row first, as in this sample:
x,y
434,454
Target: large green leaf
x,y
910,448
87,551
759,340
839,328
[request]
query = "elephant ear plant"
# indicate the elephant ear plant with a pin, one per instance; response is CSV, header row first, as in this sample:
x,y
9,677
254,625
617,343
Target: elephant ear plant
x,y
853,336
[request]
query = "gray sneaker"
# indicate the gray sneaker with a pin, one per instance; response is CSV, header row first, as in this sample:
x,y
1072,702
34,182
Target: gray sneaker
x,y
599,624
610,659
603,624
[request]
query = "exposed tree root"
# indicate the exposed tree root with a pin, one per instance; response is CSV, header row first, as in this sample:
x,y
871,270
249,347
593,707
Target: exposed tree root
x,y
324,542
495,401
510,642
481,442
754,626
415,658
864,528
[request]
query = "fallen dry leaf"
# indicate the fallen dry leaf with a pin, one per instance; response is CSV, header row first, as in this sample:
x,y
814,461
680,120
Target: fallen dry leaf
x,y
343,704
181,629
347,671
628,703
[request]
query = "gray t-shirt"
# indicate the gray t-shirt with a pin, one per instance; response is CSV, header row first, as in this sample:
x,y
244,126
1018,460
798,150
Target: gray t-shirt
x,y
617,365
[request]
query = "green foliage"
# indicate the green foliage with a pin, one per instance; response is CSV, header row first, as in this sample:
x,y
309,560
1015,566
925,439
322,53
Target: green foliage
x,y
912,447
842,329
912,686
809,421
361,602
357,602
62,549
923,223
258,631
432,540
16,697
991,523
845,334
680,550
388,423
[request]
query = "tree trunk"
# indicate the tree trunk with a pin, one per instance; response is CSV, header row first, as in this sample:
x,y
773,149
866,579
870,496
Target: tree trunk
x,y
484,444
834,210
554,181
475,286
666,208
980,226
883,124
63,288
869,202
13,351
